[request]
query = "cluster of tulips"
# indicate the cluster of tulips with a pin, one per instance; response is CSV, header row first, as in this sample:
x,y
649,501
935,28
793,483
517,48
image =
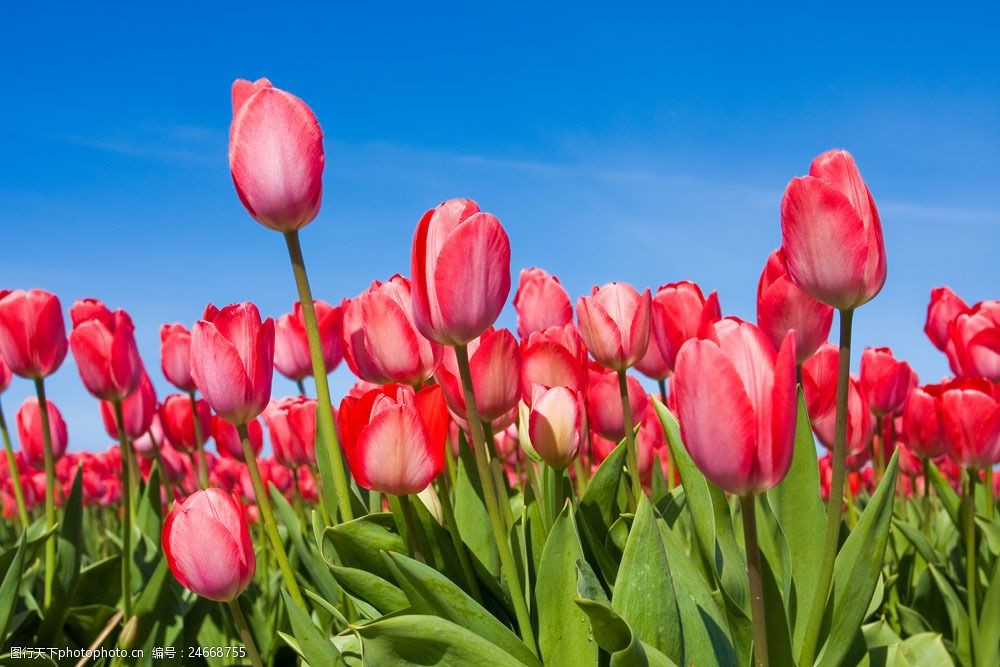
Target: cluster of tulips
x,y
481,495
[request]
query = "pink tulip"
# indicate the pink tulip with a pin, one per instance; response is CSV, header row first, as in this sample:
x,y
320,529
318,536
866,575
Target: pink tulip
x,y
495,363
460,266
232,360
942,310
291,346
29,430
819,384
557,424
394,437
782,307
291,422
275,155
103,344
153,439
886,381
541,302
228,441
177,420
32,332
831,234
973,345
679,312
970,420
175,356
739,427
922,428
381,341
554,357
138,409
5,376
650,442
604,403
614,323
206,540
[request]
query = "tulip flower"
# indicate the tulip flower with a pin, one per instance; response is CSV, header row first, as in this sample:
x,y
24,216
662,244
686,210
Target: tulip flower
x,y
177,418
291,345
973,346
32,332
782,307
886,381
381,341
227,439
291,423
557,425
12,468
29,430
460,268
5,375
394,437
495,363
819,384
175,356
554,357
614,323
604,406
970,420
679,311
147,444
922,427
103,344
138,409
541,302
232,360
942,310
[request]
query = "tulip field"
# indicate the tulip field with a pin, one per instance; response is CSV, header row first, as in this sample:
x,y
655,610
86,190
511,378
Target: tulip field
x,y
483,496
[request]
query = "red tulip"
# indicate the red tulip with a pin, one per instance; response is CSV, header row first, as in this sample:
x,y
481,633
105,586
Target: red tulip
x,y
831,234
909,463
740,427
554,357
557,424
153,439
460,266
275,155
541,302
103,344
973,345
138,409
5,376
614,323
886,381
381,341
177,419
819,384
970,417
922,428
495,363
394,438
649,442
291,346
206,540
228,441
679,312
175,356
232,360
291,423
32,332
29,430
604,403
942,310
782,306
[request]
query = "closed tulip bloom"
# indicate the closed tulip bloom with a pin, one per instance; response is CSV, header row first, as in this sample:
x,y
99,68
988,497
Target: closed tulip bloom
x,y
819,384
495,363
679,311
228,442
232,361
394,438
177,420
291,423
291,346
942,310
973,346
275,155
5,376
103,344
649,440
32,332
206,540
460,268
381,340
557,424
614,323
922,427
29,430
970,417
541,302
886,380
175,356
831,234
153,439
555,357
138,409
652,364
783,307
604,403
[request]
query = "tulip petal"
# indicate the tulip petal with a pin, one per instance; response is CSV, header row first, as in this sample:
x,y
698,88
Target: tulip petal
x,y
393,453
218,371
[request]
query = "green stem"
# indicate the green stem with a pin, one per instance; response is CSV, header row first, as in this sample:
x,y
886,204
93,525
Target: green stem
x,y
554,479
264,505
969,520
926,499
456,538
328,457
15,475
125,448
244,629
990,500
199,439
412,528
835,503
630,452
50,491
301,385
757,613
491,496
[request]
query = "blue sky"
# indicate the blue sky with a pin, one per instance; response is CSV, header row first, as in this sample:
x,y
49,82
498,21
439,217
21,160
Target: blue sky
x,y
646,144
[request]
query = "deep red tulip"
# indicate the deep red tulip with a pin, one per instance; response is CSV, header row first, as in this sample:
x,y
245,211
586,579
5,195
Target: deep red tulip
x,y
652,364
232,361
206,540
679,312
138,409
275,155
970,417
557,424
495,363
460,268
291,346
604,403
5,375
175,356
615,323
381,341
740,427
831,234
909,463
650,440
228,442
942,310
291,422
973,345
541,302
922,428
394,438
819,384
886,380
782,306
29,430
177,420
555,357
32,332
103,344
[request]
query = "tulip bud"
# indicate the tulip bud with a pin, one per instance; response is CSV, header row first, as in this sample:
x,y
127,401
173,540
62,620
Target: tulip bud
x,y
922,428
541,302
970,417
177,420
291,423
291,345
5,376
604,403
32,332
228,440
29,430
554,357
103,344
495,364
942,310
557,424
973,345
886,381
819,384
782,307
614,323
138,409
175,356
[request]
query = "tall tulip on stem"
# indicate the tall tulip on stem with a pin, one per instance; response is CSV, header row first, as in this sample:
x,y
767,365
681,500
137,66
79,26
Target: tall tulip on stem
x,y
15,475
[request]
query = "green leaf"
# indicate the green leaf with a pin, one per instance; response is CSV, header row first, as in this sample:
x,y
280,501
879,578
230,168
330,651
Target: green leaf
x,y
949,499
319,573
69,555
957,615
315,646
919,542
149,513
470,513
923,650
360,542
10,586
599,504
564,634
428,640
989,622
371,588
779,643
